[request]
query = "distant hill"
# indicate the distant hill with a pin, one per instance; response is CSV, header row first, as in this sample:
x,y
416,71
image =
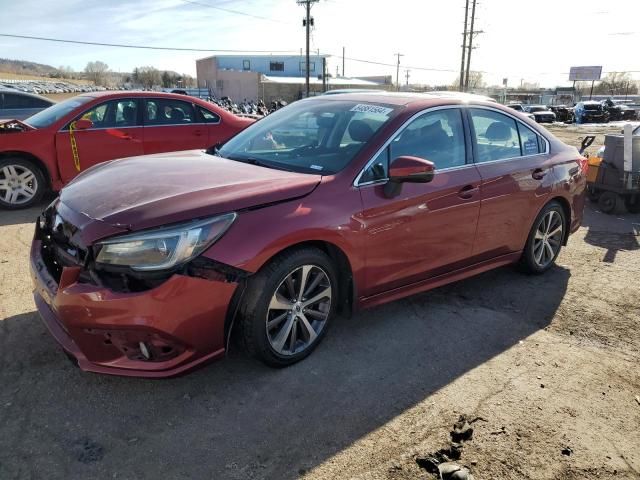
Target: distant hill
x,y
27,68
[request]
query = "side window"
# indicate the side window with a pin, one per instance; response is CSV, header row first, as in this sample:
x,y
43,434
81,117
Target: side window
x,y
126,113
496,135
22,101
208,116
436,136
97,115
160,111
529,140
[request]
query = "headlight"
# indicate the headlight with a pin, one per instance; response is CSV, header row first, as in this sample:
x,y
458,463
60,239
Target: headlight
x,y
163,248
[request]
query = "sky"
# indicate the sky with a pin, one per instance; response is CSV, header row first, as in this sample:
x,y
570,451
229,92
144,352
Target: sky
x,y
522,40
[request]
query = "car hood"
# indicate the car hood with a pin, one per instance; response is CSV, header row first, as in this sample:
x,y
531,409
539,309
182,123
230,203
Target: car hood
x,y
152,190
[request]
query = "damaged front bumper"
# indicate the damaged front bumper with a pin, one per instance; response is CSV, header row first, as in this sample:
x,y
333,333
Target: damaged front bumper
x,y
160,332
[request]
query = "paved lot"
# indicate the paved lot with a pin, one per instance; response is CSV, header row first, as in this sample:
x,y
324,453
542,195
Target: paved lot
x,y
548,362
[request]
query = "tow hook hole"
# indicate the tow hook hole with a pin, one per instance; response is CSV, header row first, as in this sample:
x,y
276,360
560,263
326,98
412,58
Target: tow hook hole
x,y
107,342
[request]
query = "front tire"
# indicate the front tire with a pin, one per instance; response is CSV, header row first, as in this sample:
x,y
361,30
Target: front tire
x,y
288,306
545,239
22,183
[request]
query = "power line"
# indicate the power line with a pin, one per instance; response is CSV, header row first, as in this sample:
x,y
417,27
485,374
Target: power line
x,y
237,12
145,47
360,60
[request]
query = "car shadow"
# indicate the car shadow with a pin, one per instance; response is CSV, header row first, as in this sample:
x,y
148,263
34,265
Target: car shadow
x,y
27,215
240,419
611,232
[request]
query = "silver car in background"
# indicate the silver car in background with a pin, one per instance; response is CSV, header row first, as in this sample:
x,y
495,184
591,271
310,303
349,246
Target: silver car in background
x,y
17,105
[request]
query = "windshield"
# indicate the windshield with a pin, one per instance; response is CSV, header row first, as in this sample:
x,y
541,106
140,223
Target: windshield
x,y
592,106
537,109
50,115
309,136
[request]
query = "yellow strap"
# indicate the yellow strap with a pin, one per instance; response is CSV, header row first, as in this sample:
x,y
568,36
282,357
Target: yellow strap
x,y
74,147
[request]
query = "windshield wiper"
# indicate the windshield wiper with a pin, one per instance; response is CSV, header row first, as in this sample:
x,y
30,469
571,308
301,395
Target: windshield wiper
x,y
255,161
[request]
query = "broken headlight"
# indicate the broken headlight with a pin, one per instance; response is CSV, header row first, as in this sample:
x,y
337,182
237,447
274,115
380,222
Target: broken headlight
x,y
163,248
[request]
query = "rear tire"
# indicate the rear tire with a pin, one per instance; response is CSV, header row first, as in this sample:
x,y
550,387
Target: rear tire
x,y
22,183
277,323
610,202
545,239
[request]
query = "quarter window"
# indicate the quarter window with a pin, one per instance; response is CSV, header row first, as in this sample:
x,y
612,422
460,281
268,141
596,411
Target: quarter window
x,y
160,111
246,64
529,140
207,116
496,136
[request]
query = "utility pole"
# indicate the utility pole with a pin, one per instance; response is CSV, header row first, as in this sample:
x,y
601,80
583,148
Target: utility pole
x,y
307,22
342,61
324,74
464,45
406,74
398,71
470,48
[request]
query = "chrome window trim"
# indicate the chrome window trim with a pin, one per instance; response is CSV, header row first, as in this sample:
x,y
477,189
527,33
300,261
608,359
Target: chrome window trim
x,y
356,182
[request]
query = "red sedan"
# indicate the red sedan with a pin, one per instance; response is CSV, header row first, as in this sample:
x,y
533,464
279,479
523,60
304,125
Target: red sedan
x,y
50,148
145,267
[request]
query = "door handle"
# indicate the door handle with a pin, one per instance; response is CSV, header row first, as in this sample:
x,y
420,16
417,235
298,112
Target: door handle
x,y
198,133
468,191
539,173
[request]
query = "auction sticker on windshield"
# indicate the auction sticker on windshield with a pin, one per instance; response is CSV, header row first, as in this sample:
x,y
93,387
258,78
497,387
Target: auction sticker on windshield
x,y
365,108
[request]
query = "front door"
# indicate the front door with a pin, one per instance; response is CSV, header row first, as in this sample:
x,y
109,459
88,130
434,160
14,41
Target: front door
x,y
517,179
115,133
428,229
172,125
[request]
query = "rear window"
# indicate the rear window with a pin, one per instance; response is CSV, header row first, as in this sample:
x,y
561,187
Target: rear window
x,y
13,100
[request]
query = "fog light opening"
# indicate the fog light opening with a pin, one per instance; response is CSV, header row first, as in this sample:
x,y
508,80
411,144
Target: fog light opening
x,y
144,350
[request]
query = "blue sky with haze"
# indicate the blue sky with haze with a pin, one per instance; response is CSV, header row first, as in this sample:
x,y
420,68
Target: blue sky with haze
x,y
521,39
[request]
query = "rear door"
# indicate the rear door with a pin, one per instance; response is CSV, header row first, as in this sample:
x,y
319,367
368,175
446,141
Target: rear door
x,y
429,228
517,179
172,125
116,133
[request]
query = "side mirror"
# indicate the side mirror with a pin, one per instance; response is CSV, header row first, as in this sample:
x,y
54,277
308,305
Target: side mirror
x,y
407,169
83,124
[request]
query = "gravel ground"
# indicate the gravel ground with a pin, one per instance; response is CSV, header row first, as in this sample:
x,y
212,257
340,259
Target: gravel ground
x,y
548,363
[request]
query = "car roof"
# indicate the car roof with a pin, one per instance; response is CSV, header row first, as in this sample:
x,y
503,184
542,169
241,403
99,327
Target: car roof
x,y
404,98
135,93
25,94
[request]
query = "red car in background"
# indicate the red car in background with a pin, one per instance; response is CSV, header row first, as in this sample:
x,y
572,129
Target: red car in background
x,y
333,203
49,149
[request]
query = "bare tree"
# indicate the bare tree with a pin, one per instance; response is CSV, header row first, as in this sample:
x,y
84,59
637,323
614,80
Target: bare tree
x,y
476,80
149,77
97,72
616,83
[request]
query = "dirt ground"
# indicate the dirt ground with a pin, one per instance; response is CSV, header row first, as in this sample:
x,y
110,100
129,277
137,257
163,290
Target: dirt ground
x,y
549,363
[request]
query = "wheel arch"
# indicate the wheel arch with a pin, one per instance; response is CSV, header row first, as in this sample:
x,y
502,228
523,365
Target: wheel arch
x,y
32,158
566,207
346,281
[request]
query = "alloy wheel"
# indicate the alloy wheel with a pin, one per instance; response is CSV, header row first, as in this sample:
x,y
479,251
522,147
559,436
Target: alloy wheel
x,y
298,310
18,184
548,238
